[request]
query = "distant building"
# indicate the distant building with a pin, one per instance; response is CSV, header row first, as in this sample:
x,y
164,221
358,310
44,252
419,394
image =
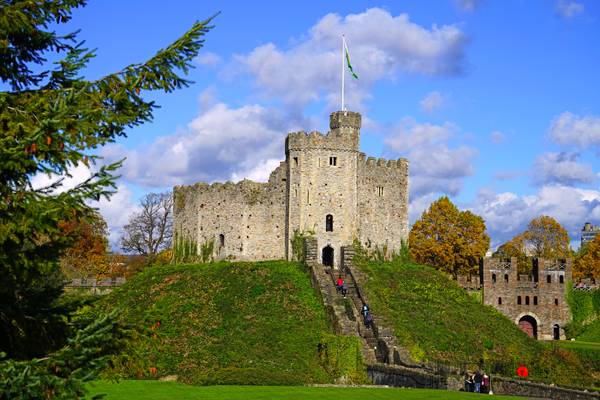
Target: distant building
x,y
536,301
588,233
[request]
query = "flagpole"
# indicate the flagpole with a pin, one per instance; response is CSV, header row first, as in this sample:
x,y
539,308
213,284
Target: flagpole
x,y
343,70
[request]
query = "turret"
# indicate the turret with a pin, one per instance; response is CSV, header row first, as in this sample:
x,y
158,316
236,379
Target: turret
x,y
346,125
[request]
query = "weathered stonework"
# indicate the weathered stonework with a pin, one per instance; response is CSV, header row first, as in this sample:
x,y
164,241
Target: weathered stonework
x,y
536,301
325,186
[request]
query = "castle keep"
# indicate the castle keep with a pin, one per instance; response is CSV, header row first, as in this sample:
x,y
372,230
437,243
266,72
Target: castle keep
x,y
325,187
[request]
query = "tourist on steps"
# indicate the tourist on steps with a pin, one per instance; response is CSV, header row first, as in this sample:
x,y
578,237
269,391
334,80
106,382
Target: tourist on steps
x,y
344,289
365,310
339,283
368,320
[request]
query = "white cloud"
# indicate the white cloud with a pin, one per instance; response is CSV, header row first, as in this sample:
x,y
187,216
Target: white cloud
x,y
257,172
507,214
76,176
222,143
568,9
434,166
380,46
116,211
562,168
497,137
208,59
431,102
572,130
469,5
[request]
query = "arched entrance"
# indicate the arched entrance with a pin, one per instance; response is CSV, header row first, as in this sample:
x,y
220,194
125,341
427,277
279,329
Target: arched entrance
x,y
528,324
328,256
556,332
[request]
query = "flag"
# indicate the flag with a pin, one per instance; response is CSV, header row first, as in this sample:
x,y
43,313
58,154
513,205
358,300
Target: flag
x,y
348,61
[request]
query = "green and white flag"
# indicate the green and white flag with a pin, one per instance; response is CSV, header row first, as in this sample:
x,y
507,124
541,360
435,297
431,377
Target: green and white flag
x,y
348,61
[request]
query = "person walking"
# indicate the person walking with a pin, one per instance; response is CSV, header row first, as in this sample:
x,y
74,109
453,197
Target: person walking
x,y
365,310
344,289
339,283
478,378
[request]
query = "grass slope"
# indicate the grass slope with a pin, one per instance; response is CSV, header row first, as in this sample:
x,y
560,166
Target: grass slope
x,y
230,323
155,390
439,322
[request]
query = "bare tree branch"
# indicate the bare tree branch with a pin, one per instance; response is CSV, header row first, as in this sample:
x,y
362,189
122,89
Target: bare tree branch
x,y
151,230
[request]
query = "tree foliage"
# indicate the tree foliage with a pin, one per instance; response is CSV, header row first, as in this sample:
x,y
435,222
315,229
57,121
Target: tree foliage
x,y
62,375
515,248
544,238
448,239
150,230
52,120
587,261
88,256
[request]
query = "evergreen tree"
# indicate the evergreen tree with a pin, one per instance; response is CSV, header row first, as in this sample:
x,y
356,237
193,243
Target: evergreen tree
x,y
52,120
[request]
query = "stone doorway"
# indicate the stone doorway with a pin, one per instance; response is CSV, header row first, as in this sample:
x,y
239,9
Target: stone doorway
x,y
528,324
327,256
556,332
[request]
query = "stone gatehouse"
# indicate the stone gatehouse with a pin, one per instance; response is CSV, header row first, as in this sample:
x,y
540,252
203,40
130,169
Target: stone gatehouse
x,y
535,301
325,187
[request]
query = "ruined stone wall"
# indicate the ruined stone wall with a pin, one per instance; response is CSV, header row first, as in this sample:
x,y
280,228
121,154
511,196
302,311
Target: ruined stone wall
x,y
322,182
249,215
541,294
383,202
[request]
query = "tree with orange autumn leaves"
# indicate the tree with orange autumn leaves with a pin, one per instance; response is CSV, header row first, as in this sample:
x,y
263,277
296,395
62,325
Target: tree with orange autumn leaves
x,y
587,261
88,256
544,238
448,239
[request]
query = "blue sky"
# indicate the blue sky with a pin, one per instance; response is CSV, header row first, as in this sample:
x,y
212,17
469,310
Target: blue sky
x,y
495,103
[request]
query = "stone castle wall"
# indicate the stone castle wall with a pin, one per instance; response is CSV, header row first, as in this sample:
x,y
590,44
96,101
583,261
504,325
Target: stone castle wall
x,y
383,202
322,182
324,178
540,295
249,215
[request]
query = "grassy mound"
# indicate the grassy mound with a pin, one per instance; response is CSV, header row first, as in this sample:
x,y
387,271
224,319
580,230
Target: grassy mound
x,y
440,323
231,323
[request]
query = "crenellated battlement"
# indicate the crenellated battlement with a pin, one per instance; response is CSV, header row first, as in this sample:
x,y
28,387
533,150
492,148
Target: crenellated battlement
x,y
344,135
401,163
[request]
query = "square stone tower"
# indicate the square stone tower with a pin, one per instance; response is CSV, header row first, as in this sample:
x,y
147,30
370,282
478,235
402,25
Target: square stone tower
x,y
325,187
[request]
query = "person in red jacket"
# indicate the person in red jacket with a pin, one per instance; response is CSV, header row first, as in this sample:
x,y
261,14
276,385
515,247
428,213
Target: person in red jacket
x,y
339,283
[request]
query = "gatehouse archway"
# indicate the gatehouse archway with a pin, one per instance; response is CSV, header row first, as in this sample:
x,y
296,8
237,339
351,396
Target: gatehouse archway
x,y
528,324
556,332
327,256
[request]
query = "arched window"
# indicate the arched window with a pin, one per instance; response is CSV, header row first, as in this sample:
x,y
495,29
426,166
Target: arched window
x,y
500,300
506,278
329,223
535,300
526,300
555,302
222,240
494,278
549,279
561,279
518,299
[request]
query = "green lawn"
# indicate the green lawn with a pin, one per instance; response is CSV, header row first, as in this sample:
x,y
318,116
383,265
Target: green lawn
x,y
577,344
156,390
